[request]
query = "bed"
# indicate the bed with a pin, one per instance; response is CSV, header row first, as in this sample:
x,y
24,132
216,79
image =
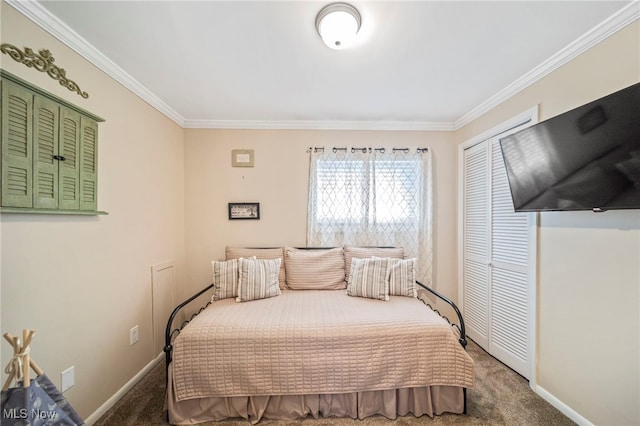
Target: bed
x,y
317,353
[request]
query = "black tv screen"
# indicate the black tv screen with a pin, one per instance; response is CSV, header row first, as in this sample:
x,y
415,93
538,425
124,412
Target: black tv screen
x,y
585,159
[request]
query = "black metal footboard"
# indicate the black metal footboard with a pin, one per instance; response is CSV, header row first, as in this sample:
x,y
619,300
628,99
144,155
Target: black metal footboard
x,y
461,330
170,332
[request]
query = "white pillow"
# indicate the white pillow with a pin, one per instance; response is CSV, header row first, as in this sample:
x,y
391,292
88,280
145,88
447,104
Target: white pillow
x,y
369,278
258,279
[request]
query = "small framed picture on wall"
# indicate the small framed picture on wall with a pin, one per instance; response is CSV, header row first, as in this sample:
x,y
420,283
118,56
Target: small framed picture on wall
x,y
242,157
244,211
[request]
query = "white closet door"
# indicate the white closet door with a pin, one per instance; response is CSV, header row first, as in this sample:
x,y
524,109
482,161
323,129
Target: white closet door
x,y
509,268
476,243
498,276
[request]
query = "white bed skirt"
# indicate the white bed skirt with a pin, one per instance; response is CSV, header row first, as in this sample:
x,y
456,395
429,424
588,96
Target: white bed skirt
x,y
433,400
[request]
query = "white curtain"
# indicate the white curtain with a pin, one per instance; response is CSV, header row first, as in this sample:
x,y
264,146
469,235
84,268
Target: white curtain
x,y
372,198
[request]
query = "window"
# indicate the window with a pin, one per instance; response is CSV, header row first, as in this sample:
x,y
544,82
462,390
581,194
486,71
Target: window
x,y
341,191
356,191
372,199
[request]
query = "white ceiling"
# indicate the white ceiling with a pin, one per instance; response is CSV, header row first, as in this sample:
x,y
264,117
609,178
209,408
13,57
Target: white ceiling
x,y
417,64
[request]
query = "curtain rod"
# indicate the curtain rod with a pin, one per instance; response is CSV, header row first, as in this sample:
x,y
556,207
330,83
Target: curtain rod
x,y
366,149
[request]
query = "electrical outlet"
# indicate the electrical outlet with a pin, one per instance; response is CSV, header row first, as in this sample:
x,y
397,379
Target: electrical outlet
x,y
67,378
133,335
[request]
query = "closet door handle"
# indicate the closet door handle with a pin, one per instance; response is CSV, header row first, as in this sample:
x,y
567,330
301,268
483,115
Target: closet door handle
x,y
59,157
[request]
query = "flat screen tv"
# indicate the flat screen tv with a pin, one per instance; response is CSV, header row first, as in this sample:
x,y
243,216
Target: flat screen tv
x,y
585,159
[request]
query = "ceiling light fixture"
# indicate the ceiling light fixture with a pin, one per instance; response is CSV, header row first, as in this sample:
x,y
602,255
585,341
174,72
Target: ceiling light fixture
x,y
338,24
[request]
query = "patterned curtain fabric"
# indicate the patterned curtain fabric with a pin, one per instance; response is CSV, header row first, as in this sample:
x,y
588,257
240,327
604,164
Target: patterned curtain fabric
x,y
372,198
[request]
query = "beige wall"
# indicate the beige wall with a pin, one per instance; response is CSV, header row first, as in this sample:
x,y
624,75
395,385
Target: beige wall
x,y
279,182
588,264
83,282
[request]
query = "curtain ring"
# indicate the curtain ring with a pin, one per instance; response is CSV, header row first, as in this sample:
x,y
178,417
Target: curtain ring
x,y
405,150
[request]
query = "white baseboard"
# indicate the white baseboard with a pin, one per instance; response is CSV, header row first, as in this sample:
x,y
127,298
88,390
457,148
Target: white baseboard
x,y
562,407
121,392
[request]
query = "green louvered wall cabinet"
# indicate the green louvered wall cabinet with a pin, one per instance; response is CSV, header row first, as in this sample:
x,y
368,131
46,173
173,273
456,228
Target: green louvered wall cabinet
x,y
49,152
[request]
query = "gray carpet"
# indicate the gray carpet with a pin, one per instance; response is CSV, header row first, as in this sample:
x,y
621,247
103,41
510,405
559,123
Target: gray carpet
x,y
500,397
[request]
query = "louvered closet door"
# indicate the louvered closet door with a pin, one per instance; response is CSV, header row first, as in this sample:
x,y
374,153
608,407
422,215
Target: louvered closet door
x,y
476,243
508,272
497,280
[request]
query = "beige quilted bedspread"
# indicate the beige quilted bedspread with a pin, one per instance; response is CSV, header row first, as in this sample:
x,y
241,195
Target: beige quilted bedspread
x,y
316,341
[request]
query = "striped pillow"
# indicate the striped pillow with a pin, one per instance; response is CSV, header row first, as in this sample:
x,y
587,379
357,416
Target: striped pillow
x,y
314,269
259,253
258,279
402,277
351,252
368,278
225,279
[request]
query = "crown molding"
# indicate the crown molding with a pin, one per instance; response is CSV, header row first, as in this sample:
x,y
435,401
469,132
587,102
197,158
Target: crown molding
x,y
611,25
50,23
319,125
58,29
